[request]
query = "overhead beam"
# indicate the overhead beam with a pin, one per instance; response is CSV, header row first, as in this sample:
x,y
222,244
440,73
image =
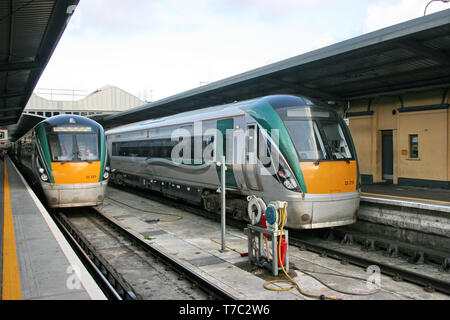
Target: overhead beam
x,y
12,94
315,93
3,110
19,66
427,52
390,91
392,80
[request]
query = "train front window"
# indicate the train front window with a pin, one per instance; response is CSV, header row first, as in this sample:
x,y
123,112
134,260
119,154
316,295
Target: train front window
x,y
87,147
316,133
73,147
307,140
336,140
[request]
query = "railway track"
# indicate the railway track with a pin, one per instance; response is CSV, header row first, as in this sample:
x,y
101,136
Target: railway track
x,y
321,242
401,272
127,266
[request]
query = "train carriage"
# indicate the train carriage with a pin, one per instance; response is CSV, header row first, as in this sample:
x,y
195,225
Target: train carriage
x,y
280,147
66,157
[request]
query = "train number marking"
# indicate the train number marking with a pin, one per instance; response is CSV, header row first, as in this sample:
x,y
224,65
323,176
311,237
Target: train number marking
x,y
349,182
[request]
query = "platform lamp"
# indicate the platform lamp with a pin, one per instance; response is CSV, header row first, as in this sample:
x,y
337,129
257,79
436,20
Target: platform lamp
x,y
425,11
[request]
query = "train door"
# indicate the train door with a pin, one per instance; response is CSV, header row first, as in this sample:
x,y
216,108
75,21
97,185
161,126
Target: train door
x,y
387,155
222,147
250,168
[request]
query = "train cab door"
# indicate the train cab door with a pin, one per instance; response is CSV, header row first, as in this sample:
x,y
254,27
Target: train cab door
x,y
250,167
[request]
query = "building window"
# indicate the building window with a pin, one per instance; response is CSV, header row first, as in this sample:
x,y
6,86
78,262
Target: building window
x,y
413,146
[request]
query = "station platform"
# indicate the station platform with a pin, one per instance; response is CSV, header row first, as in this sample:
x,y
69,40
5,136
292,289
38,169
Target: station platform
x,y
423,198
36,262
195,241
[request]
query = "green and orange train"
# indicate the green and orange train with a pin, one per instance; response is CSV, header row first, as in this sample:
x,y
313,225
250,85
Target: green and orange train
x,y
66,157
280,147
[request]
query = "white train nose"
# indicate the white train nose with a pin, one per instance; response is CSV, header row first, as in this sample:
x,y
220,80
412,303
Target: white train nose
x,y
323,210
75,195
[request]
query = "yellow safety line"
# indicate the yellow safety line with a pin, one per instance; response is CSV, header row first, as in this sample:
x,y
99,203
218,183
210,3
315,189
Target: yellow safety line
x,y
385,195
11,280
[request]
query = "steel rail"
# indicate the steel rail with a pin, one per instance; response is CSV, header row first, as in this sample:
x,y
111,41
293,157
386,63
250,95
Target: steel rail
x,y
184,271
427,282
114,287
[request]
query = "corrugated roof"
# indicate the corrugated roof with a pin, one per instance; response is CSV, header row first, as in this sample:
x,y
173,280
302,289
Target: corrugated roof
x,y
29,32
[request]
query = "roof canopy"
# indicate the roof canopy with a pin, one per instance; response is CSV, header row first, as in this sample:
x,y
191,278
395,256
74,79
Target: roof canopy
x,y
414,55
29,32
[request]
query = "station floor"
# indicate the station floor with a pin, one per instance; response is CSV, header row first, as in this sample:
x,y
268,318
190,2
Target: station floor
x,y
418,193
36,262
196,242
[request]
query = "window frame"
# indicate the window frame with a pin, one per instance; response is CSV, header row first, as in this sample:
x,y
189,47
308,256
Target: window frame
x,y
414,155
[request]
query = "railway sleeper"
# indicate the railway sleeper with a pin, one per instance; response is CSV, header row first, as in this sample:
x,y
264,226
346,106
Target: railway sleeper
x,y
369,245
417,258
395,249
392,251
348,239
446,265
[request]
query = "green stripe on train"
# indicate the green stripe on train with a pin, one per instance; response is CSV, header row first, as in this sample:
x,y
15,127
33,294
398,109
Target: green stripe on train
x,y
266,116
102,153
43,146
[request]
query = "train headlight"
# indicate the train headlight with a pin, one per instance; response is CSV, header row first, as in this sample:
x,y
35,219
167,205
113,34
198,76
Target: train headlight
x,y
44,177
41,170
106,175
286,178
108,169
290,184
284,173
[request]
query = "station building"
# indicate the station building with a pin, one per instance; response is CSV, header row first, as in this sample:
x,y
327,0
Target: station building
x,y
107,100
404,139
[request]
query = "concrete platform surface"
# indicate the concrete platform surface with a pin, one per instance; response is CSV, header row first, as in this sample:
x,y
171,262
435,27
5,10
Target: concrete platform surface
x,y
195,241
36,261
431,194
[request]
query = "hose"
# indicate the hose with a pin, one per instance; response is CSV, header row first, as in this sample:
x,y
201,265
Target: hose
x,y
259,205
290,280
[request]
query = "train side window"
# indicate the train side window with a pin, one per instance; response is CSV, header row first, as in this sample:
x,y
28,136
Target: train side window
x,y
414,146
115,149
208,141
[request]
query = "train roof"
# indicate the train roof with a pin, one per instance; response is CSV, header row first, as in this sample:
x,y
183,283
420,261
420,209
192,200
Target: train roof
x,y
69,119
214,112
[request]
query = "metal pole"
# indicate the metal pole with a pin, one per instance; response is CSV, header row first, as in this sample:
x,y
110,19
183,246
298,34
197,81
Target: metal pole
x,y
224,209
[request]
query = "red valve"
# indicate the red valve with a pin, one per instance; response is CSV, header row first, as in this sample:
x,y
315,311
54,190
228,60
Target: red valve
x,y
283,252
264,224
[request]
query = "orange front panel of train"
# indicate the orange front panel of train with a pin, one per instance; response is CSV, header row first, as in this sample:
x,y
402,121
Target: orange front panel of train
x,y
330,176
76,172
